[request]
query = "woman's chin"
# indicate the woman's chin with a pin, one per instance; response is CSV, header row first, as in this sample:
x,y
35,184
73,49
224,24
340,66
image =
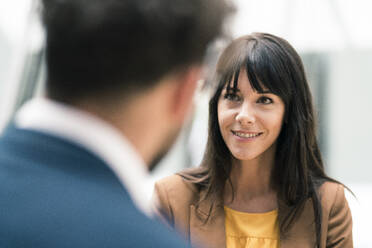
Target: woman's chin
x,y
245,156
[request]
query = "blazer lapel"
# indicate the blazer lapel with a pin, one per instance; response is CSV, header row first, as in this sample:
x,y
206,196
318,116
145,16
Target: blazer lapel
x,y
301,233
208,233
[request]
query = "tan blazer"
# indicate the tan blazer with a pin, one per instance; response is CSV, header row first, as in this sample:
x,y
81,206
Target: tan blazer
x,y
175,200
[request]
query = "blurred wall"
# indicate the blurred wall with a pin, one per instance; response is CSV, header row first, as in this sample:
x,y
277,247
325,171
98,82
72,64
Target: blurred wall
x,y
5,55
350,115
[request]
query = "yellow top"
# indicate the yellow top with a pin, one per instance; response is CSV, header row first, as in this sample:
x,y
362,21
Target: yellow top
x,y
251,230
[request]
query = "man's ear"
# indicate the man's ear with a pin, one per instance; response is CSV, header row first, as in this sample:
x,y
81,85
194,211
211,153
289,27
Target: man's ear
x,y
184,92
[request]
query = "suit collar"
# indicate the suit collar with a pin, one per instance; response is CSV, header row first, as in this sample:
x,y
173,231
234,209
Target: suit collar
x,y
94,134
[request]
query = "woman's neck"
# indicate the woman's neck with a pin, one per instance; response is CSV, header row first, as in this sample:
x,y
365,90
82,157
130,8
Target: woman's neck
x,y
251,189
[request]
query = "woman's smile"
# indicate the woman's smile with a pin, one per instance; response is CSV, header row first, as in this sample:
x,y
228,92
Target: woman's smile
x,y
246,136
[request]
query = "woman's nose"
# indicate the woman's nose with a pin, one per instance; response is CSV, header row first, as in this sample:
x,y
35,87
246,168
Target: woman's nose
x,y
246,115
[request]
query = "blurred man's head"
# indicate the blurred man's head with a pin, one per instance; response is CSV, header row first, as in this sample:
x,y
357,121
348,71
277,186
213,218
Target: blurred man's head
x,y
134,63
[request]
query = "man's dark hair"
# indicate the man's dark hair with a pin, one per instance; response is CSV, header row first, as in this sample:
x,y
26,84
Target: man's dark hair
x,y
103,47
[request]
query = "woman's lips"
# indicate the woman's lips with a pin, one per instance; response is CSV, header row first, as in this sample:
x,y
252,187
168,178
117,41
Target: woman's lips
x,y
246,135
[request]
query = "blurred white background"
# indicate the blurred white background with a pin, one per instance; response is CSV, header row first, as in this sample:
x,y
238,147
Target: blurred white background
x,y
332,36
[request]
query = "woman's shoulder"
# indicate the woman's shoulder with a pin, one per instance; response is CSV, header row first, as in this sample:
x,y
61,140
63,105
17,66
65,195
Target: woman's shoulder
x,y
332,195
336,215
173,196
330,188
177,189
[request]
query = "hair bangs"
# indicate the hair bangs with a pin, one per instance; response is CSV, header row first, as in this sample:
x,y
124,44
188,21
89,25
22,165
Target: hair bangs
x,y
266,72
231,62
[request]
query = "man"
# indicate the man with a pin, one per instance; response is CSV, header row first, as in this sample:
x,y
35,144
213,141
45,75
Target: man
x,y
120,80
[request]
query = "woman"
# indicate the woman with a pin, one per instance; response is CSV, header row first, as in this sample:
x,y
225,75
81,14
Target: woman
x,y
261,182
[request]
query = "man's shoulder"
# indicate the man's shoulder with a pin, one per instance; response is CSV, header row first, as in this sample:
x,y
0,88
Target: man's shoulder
x,y
96,226
139,230
34,139
156,234
32,145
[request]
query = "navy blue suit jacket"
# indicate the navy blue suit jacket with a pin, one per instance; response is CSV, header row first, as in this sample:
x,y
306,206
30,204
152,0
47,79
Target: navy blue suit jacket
x,y
54,193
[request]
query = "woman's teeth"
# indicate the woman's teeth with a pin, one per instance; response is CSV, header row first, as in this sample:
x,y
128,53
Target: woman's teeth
x,y
246,135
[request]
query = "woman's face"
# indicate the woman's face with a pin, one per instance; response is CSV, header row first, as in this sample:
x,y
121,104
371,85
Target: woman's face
x,y
250,122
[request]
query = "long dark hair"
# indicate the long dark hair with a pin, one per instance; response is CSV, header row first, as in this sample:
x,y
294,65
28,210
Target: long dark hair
x,y
272,63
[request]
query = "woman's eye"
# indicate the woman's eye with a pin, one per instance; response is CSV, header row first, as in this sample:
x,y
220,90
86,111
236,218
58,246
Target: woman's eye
x,y
231,97
265,100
